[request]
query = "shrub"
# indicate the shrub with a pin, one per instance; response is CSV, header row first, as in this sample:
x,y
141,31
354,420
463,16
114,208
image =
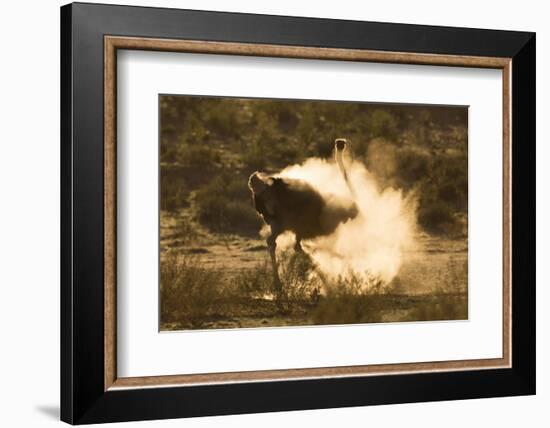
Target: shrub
x,y
224,205
449,192
298,277
384,124
189,290
254,156
381,159
321,147
440,308
287,152
185,231
197,155
435,215
168,152
221,120
413,166
299,280
355,299
255,282
173,194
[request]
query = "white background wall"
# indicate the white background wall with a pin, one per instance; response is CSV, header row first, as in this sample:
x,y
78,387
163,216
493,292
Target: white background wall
x,y
29,215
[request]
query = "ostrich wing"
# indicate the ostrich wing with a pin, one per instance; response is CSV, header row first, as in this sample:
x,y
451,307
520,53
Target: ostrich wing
x,y
336,212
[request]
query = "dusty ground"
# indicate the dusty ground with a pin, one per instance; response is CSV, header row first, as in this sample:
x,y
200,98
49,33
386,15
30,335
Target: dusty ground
x,y
431,284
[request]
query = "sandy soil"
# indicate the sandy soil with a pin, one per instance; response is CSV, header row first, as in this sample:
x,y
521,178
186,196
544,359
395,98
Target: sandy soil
x,y
432,278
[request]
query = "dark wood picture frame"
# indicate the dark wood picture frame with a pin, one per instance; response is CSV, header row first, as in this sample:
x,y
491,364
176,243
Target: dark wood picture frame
x,y
90,389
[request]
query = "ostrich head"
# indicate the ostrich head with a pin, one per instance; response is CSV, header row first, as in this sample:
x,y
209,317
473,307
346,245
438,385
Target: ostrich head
x,y
340,144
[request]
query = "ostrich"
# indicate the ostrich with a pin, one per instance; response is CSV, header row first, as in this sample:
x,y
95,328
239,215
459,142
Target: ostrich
x,y
294,205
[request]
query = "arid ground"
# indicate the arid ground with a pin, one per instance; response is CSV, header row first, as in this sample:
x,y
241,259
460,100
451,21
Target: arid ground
x,y
226,282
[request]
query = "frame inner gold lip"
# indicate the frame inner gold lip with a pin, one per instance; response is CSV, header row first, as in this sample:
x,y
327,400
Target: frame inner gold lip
x,y
112,43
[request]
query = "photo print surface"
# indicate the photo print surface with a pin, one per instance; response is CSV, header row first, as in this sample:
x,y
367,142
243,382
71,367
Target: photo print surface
x,y
294,213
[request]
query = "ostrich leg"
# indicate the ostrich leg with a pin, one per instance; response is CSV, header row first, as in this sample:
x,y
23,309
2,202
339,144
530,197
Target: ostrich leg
x,y
298,244
271,247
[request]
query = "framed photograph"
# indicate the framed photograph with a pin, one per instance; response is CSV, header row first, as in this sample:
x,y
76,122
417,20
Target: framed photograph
x,y
267,213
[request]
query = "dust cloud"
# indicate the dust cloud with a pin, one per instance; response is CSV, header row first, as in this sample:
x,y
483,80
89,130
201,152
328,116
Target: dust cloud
x,y
372,245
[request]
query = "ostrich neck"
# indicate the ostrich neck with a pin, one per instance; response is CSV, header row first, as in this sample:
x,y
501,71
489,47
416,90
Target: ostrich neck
x,y
342,168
